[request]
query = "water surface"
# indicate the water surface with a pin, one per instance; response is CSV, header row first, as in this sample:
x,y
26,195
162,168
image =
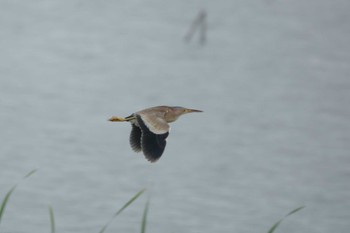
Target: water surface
x,y
272,79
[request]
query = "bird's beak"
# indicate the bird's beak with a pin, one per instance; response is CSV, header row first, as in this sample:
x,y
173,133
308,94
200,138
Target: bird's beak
x,y
188,110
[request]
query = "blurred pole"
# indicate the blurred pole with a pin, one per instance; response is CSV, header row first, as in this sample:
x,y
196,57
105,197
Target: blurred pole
x,y
199,23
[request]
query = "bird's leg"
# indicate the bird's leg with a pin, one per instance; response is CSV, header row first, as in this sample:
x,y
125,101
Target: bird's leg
x,y
130,118
120,119
115,118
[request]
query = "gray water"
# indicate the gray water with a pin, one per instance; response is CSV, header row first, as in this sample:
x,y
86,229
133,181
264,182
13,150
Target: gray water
x,y
272,79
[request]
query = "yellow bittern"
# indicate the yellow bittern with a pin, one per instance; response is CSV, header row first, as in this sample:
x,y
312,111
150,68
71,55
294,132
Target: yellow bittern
x,y
150,128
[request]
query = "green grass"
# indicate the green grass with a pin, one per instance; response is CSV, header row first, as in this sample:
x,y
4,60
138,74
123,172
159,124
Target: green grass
x,y
9,193
121,209
5,201
274,227
144,218
52,219
128,203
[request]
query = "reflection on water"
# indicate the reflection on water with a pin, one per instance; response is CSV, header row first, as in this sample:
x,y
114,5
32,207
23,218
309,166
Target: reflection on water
x,y
272,80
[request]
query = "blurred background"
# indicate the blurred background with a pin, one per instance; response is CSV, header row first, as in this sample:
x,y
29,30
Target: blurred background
x,y
272,78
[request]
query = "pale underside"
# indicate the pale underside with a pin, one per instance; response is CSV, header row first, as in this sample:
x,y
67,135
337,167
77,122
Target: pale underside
x,y
155,123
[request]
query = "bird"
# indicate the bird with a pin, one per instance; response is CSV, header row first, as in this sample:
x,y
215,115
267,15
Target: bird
x,y
150,128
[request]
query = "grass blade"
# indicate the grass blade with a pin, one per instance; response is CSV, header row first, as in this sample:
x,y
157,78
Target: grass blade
x,y
144,218
8,194
295,210
52,219
30,173
129,202
122,208
273,228
104,228
5,201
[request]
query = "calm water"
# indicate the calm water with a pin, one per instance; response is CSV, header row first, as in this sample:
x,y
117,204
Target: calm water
x,y
273,80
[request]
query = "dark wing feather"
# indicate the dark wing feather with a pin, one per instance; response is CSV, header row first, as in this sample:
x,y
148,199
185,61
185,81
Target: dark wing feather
x,y
135,138
152,144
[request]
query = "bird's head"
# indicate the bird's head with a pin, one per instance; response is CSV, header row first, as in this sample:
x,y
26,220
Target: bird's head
x,y
174,112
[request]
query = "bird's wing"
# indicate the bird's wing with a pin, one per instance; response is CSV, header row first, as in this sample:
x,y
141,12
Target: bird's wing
x,y
135,138
152,144
155,123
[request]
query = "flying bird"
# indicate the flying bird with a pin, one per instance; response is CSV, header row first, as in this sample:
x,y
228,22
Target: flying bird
x,y
150,128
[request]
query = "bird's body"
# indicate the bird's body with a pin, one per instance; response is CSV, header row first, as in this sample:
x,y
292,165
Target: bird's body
x,y
150,128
